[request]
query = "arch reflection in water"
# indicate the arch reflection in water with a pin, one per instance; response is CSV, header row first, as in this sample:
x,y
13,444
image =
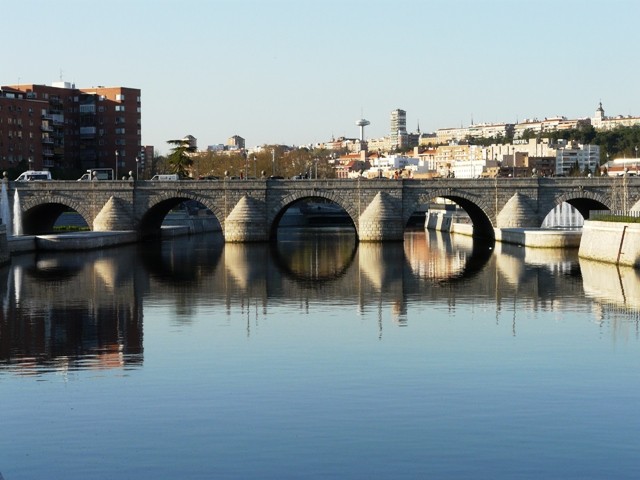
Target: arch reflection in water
x,y
85,310
312,255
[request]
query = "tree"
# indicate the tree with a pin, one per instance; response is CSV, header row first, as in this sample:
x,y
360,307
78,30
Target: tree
x,y
179,159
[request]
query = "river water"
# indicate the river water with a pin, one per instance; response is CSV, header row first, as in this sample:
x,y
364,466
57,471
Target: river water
x,y
319,358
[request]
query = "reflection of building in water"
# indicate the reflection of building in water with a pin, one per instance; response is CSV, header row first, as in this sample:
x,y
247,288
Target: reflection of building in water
x,y
65,313
435,255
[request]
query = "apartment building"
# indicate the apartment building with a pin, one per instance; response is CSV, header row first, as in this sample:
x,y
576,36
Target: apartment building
x,y
24,135
577,156
64,127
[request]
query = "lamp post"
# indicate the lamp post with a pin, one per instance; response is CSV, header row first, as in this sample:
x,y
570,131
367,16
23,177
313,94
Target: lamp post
x,y
137,167
273,162
117,161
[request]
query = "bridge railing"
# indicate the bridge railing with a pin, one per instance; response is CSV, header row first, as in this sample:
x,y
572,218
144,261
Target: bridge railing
x,y
625,216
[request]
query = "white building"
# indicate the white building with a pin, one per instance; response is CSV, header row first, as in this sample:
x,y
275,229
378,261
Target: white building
x,y
602,122
577,155
469,168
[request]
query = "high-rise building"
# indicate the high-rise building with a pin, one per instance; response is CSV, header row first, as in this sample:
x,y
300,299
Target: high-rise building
x,y
398,136
61,126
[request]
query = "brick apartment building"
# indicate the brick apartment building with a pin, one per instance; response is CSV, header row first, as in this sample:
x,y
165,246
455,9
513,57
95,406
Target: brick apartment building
x,y
63,128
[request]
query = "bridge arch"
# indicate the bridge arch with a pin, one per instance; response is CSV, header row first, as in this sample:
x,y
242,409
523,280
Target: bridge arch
x,y
476,207
583,201
277,211
39,214
157,209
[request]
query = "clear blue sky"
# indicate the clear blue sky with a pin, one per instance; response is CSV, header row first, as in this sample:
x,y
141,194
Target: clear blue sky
x,y
302,71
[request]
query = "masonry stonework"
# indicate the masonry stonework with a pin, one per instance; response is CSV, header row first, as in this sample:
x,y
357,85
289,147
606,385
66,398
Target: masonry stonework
x,y
249,210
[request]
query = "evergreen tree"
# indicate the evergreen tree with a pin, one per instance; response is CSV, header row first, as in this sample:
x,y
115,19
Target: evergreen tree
x,y
179,159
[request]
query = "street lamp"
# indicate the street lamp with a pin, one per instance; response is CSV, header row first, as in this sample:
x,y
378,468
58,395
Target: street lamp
x,y
117,160
273,162
137,167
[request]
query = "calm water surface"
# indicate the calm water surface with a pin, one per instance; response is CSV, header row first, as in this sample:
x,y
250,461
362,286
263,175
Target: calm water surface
x,y
319,358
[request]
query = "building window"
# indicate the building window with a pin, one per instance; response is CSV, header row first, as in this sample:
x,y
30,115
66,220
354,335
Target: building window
x,y
119,108
120,97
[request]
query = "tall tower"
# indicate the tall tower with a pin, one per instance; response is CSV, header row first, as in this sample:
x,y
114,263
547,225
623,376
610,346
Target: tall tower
x,y
398,134
362,123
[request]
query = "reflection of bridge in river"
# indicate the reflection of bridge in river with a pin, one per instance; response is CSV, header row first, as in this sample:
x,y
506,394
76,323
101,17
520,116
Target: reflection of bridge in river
x,y
66,308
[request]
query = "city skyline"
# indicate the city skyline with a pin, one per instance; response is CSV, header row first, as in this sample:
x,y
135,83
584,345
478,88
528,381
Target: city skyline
x,y
299,72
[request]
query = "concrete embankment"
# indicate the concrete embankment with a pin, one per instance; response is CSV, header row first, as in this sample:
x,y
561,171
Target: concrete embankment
x,y
539,238
89,240
70,241
529,237
611,242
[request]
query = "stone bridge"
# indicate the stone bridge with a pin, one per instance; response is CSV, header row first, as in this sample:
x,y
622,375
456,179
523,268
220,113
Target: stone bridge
x,y
249,210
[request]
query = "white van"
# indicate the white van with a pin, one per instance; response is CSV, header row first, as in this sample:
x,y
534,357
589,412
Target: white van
x,y
166,178
97,174
31,175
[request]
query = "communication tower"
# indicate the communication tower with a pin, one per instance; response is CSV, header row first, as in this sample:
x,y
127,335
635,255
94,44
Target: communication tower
x,y
362,123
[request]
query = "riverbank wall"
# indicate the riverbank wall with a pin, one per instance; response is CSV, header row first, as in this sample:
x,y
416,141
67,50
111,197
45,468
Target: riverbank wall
x,y
174,226
528,237
611,242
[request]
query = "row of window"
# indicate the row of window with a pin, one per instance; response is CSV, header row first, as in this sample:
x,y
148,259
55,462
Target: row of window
x,y
16,108
120,97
